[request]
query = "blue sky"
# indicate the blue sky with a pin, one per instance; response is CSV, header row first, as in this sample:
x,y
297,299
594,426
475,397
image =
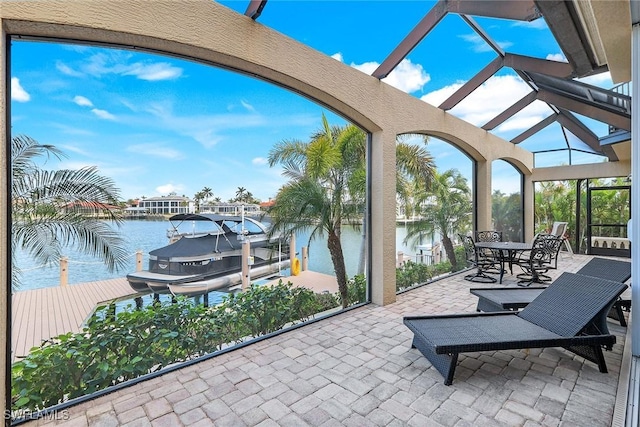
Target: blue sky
x,y
157,125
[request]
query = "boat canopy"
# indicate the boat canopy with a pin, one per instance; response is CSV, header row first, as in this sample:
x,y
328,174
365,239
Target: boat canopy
x,y
193,247
226,222
204,217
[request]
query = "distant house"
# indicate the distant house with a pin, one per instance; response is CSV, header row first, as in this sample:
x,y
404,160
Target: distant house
x,y
135,212
266,205
234,208
89,208
167,205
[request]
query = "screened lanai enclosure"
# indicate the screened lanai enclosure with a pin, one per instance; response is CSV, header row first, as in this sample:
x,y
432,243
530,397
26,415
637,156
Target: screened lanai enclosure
x,y
352,122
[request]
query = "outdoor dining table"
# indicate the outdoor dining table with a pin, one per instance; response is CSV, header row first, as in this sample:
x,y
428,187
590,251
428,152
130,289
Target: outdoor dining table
x,y
506,251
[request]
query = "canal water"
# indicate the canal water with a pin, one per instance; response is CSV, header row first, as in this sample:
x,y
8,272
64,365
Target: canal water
x,y
143,235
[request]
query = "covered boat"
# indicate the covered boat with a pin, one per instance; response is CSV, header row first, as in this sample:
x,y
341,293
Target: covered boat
x,y
209,255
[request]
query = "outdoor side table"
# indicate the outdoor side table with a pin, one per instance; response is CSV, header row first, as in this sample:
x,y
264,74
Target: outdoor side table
x,y
505,299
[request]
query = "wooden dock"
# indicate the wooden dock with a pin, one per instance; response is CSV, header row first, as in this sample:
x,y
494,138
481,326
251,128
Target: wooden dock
x,y
40,314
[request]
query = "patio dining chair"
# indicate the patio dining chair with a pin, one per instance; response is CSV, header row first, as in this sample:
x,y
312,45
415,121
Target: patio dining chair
x,y
542,257
559,229
484,262
489,236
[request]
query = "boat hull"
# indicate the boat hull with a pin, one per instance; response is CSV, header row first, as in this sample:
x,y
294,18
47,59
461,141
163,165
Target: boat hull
x,y
201,287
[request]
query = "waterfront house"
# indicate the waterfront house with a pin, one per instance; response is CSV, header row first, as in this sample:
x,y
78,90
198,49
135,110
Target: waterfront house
x,y
229,208
167,205
89,209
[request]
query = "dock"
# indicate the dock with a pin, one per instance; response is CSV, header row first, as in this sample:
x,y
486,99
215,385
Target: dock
x,y
40,314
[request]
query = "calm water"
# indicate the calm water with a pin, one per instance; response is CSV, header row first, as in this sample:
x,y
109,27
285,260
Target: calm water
x,y
149,235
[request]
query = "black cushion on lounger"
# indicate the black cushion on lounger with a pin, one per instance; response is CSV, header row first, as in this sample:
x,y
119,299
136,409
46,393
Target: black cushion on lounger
x,y
566,314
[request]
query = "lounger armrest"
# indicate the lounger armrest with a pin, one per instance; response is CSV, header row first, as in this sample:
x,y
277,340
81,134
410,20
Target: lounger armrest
x,y
458,315
511,288
578,341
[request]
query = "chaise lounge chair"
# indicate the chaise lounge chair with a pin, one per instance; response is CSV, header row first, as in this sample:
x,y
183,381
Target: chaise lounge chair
x,y
566,314
509,298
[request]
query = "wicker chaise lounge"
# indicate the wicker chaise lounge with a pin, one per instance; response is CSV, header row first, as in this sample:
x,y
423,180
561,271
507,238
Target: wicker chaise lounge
x,y
566,314
510,298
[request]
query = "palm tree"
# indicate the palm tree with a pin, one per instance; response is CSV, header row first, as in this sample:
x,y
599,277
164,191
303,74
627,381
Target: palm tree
x,y
324,191
42,223
445,209
206,193
327,186
198,197
240,193
506,213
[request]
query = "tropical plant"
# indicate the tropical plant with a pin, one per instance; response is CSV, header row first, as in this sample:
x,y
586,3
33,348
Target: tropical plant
x,y
506,213
327,186
114,348
415,170
325,189
445,209
207,193
49,209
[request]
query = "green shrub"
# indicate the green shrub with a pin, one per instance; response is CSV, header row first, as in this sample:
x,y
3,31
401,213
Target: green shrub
x,y
327,301
461,258
357,289
112,349
412,273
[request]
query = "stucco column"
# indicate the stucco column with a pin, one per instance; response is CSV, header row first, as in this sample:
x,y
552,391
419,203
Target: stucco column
x,y
528,203
5,285
483,195
383,218
635,187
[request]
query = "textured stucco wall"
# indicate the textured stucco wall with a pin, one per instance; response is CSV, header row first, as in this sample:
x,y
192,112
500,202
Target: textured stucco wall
x,y
5,286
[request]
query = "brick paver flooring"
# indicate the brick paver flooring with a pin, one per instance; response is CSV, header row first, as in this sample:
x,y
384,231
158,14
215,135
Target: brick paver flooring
x,y
358,369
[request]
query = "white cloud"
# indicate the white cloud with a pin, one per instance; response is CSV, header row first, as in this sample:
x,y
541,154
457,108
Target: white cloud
x,y
602,80
407,76
521,121
537,24
72,130
82,101
208,130
247,106
103,114
478,44
66,70
490,99
156,150
153,72
117,62
17,91
437,97
169,188
559,57
259,161
337,56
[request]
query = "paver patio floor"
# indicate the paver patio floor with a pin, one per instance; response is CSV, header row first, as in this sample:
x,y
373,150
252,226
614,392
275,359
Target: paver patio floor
x,y
358,369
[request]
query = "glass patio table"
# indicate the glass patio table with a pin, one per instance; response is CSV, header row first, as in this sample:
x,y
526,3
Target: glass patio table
x,y
506,251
